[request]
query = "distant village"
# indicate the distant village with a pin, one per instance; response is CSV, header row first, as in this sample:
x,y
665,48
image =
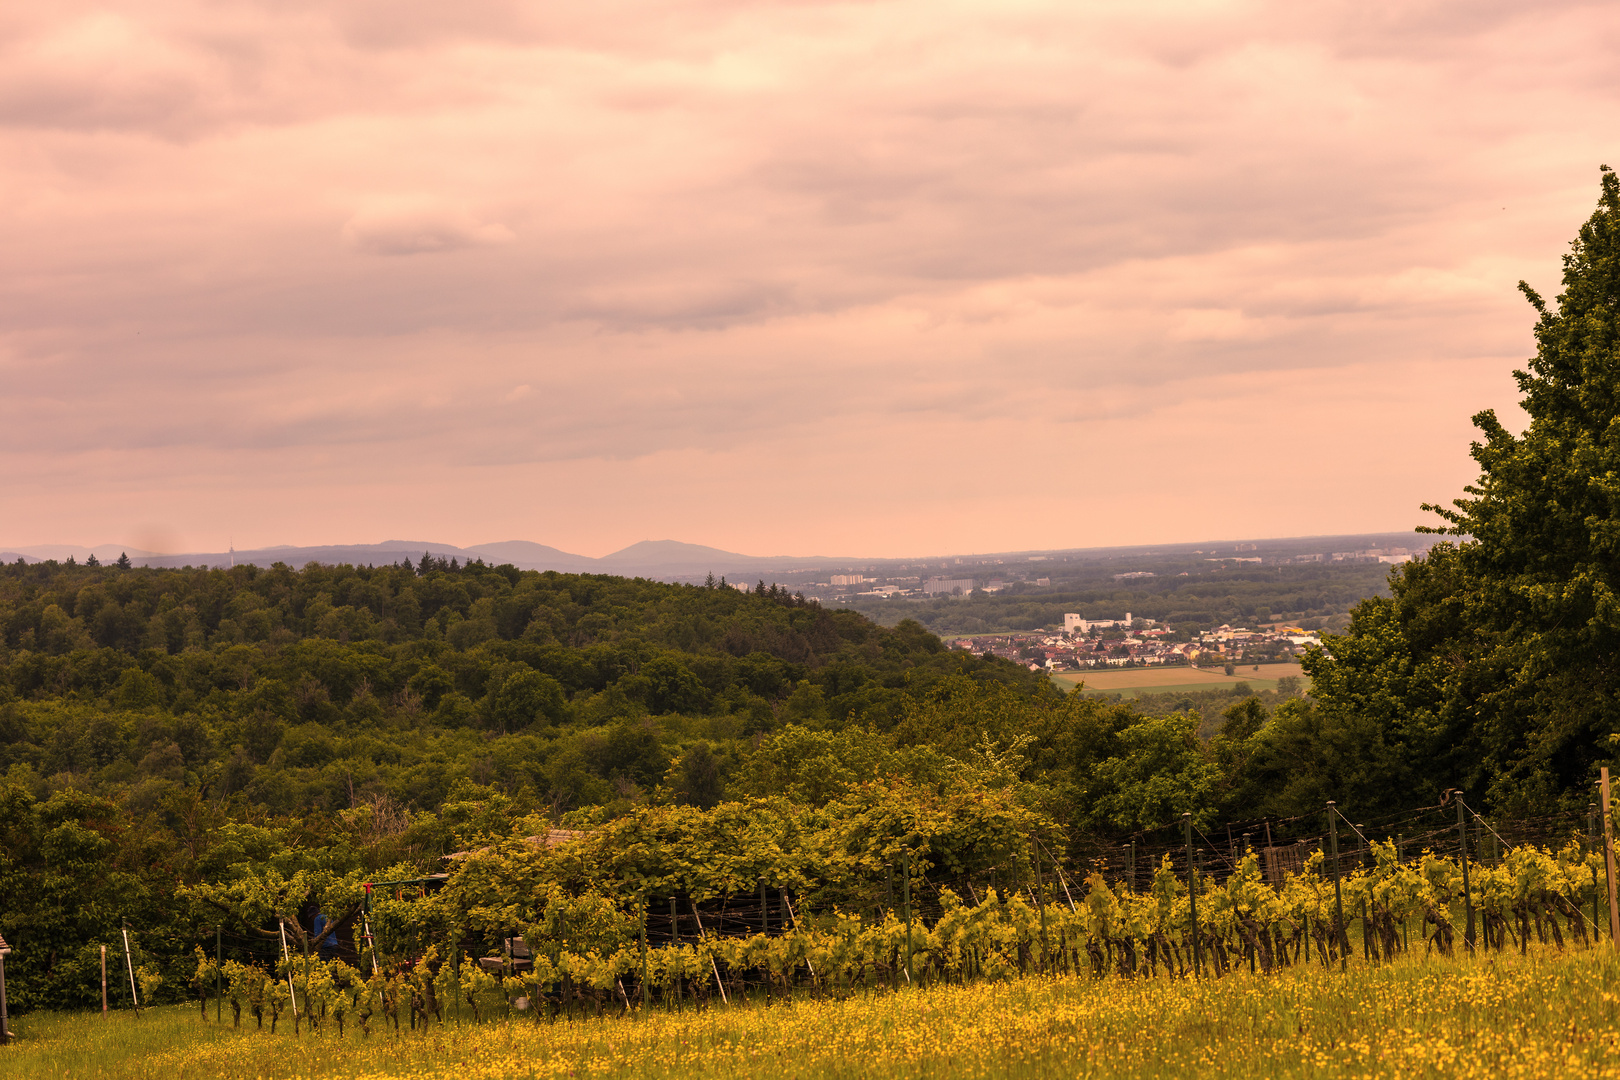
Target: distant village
x,y
1088,644
1283,613
893,586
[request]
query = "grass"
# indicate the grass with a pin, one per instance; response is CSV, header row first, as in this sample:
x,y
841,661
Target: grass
x,y
1547,1014
1115,678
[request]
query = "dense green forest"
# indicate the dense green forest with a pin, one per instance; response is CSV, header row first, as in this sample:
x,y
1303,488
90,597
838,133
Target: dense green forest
x,y
291,689
170,731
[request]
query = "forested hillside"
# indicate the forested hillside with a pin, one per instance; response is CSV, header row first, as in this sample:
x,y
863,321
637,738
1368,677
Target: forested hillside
x,y
169,736
292,690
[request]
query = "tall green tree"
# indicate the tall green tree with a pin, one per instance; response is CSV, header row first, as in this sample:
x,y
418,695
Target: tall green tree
x,y
1495,665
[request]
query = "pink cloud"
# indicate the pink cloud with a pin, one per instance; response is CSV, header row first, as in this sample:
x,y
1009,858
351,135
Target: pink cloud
x,y
417,225
970,254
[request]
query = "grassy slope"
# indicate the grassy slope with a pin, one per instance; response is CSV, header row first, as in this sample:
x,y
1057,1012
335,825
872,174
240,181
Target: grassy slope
x,y
1543,1015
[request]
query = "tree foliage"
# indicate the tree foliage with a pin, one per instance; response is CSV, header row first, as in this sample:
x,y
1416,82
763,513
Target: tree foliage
x,y
1495,664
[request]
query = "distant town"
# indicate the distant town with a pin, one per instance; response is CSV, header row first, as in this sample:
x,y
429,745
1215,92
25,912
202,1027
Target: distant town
x,y
851,586
1089,644
1206,603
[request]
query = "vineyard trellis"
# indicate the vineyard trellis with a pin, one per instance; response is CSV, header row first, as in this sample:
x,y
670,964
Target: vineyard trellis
x,y
1139,911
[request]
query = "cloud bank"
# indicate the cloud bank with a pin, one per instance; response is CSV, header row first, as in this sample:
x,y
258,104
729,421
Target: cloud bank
x,y
883,277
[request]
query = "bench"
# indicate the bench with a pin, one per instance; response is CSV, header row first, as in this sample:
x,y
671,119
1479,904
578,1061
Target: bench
x,y
517,959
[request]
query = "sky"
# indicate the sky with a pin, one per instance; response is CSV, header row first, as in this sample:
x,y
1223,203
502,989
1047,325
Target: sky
x,y
875,278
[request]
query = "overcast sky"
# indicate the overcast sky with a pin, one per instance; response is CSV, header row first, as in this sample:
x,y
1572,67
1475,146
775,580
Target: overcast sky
x,y
870,278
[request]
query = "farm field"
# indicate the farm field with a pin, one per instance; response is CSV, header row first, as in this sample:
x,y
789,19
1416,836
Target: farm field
x,y
1139,682
1547,1013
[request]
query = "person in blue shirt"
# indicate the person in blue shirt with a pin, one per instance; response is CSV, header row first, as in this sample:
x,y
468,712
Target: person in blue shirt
x,y
328,946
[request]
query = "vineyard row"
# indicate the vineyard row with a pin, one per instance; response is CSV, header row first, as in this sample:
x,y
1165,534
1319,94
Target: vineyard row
x,y
589,953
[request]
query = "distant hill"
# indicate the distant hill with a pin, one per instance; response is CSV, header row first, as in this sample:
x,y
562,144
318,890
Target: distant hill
x,y
391,551
649,558
60,552
660,552
527,555
673,558
676,560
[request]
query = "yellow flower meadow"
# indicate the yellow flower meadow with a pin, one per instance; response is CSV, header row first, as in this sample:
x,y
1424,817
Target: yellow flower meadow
x,y
1545,1014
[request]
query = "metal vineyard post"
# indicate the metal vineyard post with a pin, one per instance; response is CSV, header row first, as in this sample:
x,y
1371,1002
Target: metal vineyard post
x,y
130,964
286,956
1468,896
1341,940
1192,898
905,887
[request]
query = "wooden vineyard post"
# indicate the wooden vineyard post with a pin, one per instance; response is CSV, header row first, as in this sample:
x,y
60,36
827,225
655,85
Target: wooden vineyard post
x,y
104,979
1040,902
764,928
568,978
1400,860
1341,940
1366,932
365,921
5,1019
1192,899
787,914
675,939
1468,896
644,954
905,899
1591,836
1248,850
219,971
1608,856
698,918
1131,866
309,1006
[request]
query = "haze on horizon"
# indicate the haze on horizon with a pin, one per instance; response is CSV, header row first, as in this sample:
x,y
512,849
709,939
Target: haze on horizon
x,y
876,278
